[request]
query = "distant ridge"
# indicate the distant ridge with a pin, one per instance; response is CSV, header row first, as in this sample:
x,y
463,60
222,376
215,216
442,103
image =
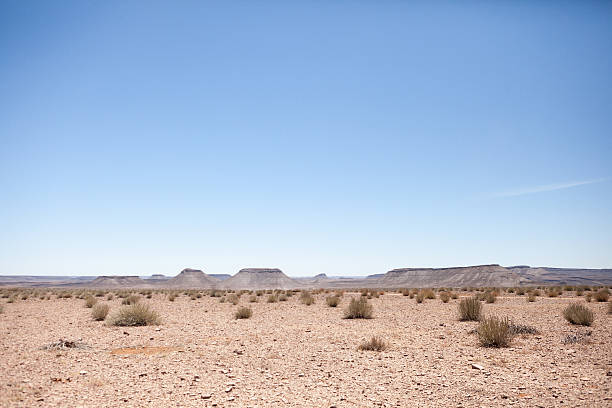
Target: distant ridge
x,y
116,282
478,275
260,278
191,278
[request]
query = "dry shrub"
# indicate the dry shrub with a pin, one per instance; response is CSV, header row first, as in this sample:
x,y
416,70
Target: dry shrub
x,y
332,301
283,298
100,311
453,295
470,309
253,299
578,314
610,308
306,298
420,297
490,297
171,297
110,296
444,297
374,344
405,292
272,299
358,309
234,300
130,300
494,332
602,295
139,314
90,301
553,293
531,298
588,297
429,294
243,313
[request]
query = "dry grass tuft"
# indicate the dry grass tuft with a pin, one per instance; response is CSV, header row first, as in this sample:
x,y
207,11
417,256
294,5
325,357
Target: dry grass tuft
x,y
90,301
490,297
332,301
99,311
243,313
272,299
602,295
578,314
306,298
358,309
374,344
494,332
139,314
444,297
130,300
470,309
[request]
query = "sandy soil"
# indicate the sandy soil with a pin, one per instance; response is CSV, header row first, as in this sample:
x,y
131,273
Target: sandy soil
x,y
292,355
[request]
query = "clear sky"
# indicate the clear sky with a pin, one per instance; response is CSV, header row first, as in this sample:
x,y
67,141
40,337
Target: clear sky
x,y
338,137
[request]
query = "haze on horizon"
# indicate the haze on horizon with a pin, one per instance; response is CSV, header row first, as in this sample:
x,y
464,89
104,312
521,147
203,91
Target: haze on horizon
x,y
346,138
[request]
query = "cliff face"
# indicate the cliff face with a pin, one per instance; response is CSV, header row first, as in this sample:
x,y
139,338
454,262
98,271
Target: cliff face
x,y
260,278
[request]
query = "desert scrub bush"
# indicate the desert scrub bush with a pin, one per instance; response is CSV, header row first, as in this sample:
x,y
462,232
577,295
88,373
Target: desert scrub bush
x,y
494,332
405,292
90,301
272,299
490,297
610,307
429,294
332,301
420,297
11,300
531,298
588,297
520,291
233,299
453,295
138,314
306,298
444,297
171,297
110,296
358,309
243,313
222,300
130,300
283,298
553,293
602,295
578,314
374,344
253,299
99,311
470,309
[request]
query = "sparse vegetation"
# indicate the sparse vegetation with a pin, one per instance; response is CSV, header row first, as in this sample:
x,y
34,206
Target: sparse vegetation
x,y
578,314
130,300
358,309
444,297
602,295
306,298
138,314
490,297
100,311
272,299
494,332
234,299
90,301
470,309
332,301
243,313
531,298
374,344
282,298
253,299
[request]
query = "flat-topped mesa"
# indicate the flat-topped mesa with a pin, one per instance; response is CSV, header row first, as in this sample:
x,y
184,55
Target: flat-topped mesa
x,y
107,281
260,278
478,275
192,279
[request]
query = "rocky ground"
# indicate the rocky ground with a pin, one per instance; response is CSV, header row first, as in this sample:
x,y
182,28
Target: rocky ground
x,y
291,355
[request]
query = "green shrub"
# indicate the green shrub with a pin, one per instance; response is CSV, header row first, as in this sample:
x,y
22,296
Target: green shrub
x,y
470,309
243,313
358,309
494,332
332,301
374,344
100,311
139,314
578,314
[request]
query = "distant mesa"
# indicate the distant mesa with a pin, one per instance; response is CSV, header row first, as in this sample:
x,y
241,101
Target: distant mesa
x,y
260,278
479,275
158,276
220,276
320,276
112,282
192,278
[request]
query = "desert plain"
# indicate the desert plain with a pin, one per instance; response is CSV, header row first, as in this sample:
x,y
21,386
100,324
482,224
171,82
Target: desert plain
x,y
288,354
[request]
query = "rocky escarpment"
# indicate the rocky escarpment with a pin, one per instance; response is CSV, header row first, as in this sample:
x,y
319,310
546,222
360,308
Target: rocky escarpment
x,y
260,278
116,282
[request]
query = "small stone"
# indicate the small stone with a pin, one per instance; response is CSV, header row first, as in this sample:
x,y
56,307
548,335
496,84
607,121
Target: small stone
x,y
83,372
206,396
477,367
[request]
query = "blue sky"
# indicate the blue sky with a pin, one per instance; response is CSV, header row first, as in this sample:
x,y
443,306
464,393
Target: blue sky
x,y
345,138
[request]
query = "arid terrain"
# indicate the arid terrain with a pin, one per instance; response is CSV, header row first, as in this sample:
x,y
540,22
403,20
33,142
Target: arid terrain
x,y
289,354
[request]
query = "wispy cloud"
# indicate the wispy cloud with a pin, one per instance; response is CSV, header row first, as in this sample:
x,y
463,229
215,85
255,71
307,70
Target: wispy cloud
x,y
547,187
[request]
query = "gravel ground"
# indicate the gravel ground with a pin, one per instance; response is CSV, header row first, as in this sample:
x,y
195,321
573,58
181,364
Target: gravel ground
x,y
292,355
